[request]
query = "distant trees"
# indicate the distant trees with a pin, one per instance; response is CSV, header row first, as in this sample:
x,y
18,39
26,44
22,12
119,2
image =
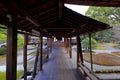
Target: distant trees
x,y
109,15
85,43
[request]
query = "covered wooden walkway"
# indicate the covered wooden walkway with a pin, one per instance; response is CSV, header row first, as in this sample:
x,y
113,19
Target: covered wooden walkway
x,y
59,67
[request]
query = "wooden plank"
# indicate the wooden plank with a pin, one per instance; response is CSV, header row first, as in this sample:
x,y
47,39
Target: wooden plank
x,y
25,56
12,5
105,3
41,56
11,66
88,72
59,67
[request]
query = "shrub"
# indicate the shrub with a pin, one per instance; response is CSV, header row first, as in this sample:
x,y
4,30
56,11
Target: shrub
x,y
20,40
85,42
3,50
3,37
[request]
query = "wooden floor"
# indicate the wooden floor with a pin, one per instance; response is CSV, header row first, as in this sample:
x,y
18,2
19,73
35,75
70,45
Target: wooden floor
x,y
59,67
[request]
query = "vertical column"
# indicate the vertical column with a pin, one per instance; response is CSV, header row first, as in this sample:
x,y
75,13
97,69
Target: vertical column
x,y
90,47
70,48
64,42
67,45
25,56
48,44
78,48
35,64
41,44
11,52
81,55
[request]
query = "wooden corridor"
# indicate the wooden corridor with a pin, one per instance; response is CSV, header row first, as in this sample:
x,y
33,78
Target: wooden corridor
x,y
59,66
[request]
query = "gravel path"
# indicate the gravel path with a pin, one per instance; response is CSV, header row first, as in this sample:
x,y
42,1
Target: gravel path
x,y
99,67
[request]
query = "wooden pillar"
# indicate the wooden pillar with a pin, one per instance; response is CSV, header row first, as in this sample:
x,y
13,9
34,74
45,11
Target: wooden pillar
x,y
67,45
11,67
70,48
78,48
48,44
64,42
35,64
41,52
81,55
90,48
25,56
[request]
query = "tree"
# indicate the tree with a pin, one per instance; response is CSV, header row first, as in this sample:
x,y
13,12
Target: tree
x,y
85,43
109,15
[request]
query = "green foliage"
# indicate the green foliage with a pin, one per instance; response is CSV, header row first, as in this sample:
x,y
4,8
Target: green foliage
x,y
99,47
3,50
110,15
2,37
3,31
3,75
108,71
103,36
85,42
20,40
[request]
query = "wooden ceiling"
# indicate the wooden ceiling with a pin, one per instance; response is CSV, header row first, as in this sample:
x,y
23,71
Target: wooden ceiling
x,y
51,17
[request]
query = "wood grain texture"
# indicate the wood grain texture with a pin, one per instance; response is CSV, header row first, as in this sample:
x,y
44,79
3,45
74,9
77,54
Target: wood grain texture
x,y
59,67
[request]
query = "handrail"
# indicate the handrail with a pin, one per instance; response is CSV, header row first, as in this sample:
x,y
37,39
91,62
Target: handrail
x,y
88,72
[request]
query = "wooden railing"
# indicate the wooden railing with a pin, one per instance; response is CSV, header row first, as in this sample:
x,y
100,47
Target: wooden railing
x,y
87,72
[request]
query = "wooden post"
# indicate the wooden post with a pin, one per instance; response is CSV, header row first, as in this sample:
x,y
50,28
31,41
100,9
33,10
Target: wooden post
x,y
11,67
70,48
35,65
90,47
41,57
64,42
48,44
78,48
25,56
67,45
81,55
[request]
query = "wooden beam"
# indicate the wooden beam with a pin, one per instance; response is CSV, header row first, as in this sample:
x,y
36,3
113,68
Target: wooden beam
x,y
78,47
11,66
90,48
25,56
105,3
12,5
60,12
41,50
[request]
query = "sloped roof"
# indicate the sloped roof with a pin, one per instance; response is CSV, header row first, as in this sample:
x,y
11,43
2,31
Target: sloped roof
x,y
50,17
